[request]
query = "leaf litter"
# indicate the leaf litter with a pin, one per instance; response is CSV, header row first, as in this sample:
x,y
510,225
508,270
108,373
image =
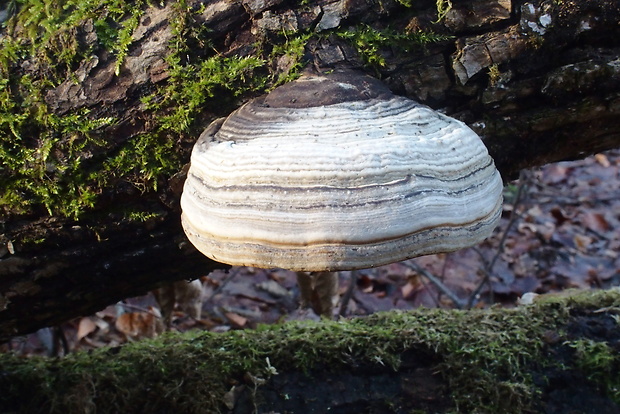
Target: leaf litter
x,y
560,229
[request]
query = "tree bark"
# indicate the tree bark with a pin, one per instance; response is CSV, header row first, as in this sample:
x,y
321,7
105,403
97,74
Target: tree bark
x,y
556,356
539,81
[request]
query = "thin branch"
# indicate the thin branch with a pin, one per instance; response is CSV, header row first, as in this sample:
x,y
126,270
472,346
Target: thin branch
x,y
433,297
488,268
344,304
458,302
138,308
231,275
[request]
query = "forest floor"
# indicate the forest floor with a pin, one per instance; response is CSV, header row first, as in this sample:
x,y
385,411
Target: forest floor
x,y
560,229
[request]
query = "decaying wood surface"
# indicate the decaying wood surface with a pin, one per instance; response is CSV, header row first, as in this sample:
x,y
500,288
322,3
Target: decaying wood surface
x,y
539,80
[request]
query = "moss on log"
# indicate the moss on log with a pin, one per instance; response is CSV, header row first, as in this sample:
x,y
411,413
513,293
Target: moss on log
x,y
102,100
559,352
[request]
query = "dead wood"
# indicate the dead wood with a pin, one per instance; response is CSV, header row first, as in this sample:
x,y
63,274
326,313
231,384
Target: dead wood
x,y
539,80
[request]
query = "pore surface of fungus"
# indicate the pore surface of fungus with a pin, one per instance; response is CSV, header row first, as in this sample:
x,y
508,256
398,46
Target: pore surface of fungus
x,y
336,173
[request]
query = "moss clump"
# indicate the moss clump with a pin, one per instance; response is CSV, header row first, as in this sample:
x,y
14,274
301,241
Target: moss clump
x,y
486,357
600,363
47,158
64,163
370,42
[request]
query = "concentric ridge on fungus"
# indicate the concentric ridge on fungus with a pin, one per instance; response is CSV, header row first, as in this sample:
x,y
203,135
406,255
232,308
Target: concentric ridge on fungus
x,y
335,173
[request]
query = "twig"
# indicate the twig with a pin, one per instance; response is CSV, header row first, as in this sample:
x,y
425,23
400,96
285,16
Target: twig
x,y
488,268
228,278
138,308
438,283
433,297
348,294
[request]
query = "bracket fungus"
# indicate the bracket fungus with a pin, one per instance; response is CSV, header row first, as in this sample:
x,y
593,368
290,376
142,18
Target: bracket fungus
x,y
334,172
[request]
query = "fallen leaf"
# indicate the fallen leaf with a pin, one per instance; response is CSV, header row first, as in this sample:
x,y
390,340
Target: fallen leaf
x,y
602,159
582,242
546,230
595,221
236,319
101,324
560,216
556,173
535,211
413,284
364,283
273,288
527,229
139,324
85,328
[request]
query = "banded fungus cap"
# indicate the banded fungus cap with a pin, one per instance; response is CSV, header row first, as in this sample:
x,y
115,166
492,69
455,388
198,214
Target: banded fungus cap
x,y
337,173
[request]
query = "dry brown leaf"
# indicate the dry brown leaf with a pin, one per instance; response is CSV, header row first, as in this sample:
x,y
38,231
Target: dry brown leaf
x,y
236,319
582,242
273,288
139,324
556,173
407,290
101,324
527,228
560,215
595,221
535,211
602,159
546,230
85,328
187,295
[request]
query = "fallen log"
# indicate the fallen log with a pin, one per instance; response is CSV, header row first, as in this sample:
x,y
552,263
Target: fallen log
x,y
557,355
101,105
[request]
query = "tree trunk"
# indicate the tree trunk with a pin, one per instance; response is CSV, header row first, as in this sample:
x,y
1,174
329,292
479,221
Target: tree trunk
x,y
556,356
102,105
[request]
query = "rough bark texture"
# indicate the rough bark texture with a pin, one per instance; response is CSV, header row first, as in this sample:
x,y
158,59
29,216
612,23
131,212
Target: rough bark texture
x,y
557,356
539,80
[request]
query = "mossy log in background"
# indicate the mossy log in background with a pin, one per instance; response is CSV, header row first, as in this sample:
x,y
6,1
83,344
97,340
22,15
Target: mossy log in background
x,y
556,356
101,101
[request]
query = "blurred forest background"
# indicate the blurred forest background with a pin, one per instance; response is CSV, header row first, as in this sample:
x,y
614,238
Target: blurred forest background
x,y
560,230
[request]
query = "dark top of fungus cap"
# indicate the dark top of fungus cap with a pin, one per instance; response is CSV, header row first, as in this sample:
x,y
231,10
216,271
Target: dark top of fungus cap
x,y
321,90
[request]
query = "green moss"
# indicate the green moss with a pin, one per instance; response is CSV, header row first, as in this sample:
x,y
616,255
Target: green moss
x,y
48,159
46,155
443,7
192,372
194,86
292,50
600,363
43,153
370,42
494,74
570,298
63,164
